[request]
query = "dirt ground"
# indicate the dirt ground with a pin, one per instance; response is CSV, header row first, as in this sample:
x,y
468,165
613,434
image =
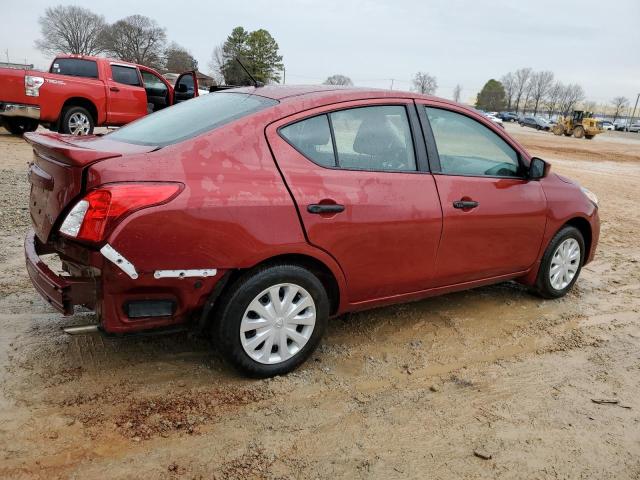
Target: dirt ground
x,y
412,391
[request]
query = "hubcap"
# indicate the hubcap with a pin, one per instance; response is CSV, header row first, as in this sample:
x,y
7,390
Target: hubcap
x,y
278,323
79,124
564,263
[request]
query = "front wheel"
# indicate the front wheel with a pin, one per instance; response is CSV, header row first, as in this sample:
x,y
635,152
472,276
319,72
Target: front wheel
x,y
270,320
561,263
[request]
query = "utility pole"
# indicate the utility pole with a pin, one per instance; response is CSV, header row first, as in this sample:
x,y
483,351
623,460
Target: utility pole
x,y
634,111
391,87
284,75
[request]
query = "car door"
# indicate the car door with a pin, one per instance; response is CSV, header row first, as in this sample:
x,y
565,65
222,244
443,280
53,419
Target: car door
x,y
127,99
186,87
493,216
157,90
358,174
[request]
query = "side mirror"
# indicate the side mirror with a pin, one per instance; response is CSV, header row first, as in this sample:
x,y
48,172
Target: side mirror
x,y
538,168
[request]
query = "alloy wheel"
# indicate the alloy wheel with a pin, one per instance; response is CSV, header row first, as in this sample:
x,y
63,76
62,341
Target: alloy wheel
x,y
79,124
278,323
564,264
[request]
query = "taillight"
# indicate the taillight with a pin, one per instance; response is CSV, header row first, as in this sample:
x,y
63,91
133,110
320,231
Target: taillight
x,y
32,85
101,209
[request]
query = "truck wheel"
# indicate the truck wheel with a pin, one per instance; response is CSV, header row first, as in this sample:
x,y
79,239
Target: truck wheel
x,y
589,137
271,319
76,121
18,126
561,263
557,130
578,132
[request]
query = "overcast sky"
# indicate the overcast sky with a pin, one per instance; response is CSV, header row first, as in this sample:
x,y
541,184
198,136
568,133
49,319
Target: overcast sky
x,y
593,43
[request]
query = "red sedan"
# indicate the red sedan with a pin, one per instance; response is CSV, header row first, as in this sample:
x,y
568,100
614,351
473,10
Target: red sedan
x,y
257,213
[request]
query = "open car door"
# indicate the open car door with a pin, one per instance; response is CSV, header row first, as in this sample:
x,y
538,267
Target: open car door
x,y
186,87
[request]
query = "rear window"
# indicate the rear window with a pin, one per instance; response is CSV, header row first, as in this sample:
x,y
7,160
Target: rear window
x,y
191,118
75,67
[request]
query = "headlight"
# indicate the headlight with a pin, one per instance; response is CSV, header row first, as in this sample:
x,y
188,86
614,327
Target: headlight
x,y
590,195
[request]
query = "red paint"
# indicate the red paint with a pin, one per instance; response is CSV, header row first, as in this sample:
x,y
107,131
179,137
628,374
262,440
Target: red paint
x,y
114,103
244,202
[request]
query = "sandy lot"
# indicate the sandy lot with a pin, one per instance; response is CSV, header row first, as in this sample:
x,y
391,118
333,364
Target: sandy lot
x,y
408,391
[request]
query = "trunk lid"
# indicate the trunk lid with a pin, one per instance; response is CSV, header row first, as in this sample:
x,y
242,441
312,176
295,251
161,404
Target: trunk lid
x,y
56,173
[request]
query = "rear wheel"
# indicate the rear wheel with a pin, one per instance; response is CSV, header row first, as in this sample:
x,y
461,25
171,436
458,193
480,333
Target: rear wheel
x,y
561,263
271,320
557,130
76,121
578,132
19,126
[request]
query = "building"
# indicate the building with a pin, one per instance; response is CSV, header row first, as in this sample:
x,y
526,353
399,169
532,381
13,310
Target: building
x,y
17,66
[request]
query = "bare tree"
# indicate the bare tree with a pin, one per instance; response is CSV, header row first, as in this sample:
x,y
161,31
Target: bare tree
x,y
216,65
137,39
619,104
590,106
541,84
179,59
509,84
338,80
554,97
70,29
521,85
425,83
571,95
457,92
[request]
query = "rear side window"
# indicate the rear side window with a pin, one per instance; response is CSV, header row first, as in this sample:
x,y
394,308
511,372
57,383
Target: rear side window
x,y
189,119
365,138
75,67
312,137
125,75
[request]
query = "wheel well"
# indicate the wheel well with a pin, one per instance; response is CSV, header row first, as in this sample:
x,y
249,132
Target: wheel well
x,y
81,102
585,229
319,269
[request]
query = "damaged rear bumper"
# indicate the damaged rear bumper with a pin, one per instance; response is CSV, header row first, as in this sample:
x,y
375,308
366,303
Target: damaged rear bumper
x,y
61,291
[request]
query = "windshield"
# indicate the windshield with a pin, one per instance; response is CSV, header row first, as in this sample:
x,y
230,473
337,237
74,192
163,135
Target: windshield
x,y
191,118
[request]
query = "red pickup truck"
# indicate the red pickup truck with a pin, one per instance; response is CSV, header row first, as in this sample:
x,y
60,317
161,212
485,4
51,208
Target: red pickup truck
x,y
81,92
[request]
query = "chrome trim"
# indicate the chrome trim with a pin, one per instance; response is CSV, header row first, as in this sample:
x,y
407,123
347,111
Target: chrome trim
x,y
19,110
125,265
80,329
211,272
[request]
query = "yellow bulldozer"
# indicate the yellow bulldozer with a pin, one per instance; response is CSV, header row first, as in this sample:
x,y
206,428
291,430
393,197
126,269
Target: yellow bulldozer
x,y
581,125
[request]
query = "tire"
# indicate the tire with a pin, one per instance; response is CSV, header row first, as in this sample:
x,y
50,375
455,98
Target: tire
x,y
578,132
538,127
19,126
545,286
254,289
589,137
557,130
76,121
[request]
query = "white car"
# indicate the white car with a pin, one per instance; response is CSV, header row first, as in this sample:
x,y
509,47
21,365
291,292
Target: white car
x,y
607,125
494,119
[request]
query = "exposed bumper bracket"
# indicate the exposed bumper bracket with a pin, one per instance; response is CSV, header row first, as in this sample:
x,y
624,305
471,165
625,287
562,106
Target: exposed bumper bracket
x,y
19,110
125,265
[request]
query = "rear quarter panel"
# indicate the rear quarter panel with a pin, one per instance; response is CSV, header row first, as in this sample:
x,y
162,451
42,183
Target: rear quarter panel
x,y
57,89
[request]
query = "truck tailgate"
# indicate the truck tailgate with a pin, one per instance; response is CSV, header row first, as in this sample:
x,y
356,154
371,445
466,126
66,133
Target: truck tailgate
x,y
12,87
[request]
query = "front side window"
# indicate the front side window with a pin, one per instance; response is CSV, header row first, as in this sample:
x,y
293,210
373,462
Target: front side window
x,y
152,82
189,119
185,84
125,75
366,138
466,147
75,67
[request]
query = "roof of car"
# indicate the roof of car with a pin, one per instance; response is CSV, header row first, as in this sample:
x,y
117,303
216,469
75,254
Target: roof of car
x,y
282,92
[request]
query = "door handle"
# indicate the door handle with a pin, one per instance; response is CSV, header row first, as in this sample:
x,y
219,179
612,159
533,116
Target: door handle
x,y
114,89
465,204
325,208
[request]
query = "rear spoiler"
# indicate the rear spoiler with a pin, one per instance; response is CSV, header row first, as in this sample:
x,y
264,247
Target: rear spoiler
x,y
52,146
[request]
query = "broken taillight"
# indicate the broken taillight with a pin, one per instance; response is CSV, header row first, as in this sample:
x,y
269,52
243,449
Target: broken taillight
x,y
102,208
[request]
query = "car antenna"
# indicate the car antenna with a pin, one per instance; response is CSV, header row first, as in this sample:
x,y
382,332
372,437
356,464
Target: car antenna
x,y
256,83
